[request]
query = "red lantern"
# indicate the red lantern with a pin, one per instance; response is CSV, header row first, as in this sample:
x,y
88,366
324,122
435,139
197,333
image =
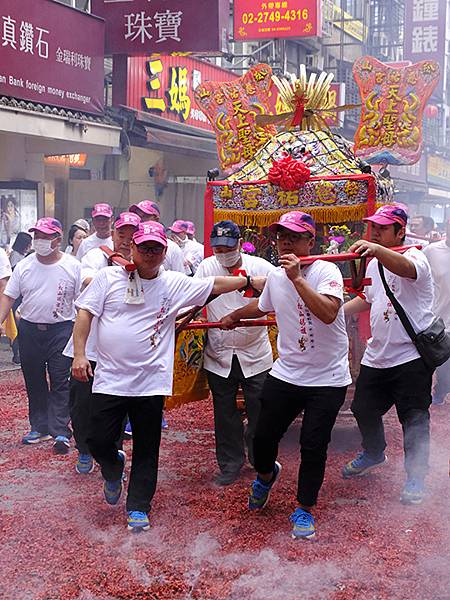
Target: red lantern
x,y
431,111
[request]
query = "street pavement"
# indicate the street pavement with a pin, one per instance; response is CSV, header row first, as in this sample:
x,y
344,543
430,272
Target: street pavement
x,y
60,541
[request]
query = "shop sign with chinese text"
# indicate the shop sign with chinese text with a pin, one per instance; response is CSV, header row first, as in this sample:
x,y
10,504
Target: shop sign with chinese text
x,y
165,85
393,101
137,27
266,19
232,108
438,171
425,26
51,54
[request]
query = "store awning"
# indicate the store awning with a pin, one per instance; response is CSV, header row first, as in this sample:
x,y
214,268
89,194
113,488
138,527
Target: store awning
x,y
55,131
161,134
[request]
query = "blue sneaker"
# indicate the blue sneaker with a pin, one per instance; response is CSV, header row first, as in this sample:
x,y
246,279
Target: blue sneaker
x,y
303,525
85,464
61,444
113,489
138,521
438,400
164,424
260,491
127,432
34,437
413,492
362,464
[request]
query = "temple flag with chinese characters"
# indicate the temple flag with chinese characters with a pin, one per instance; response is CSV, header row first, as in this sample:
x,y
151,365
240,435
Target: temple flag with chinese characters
x,y
393,101
231,108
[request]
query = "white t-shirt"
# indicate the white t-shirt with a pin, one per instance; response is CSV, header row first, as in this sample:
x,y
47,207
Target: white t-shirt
x,y
311,353
48,291
135,342
250,344
174,260
91,264
5,265
438,255
93,241
390,345
194,253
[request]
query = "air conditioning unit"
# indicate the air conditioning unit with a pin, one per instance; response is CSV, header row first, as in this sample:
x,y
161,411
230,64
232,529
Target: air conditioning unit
x,y
314,61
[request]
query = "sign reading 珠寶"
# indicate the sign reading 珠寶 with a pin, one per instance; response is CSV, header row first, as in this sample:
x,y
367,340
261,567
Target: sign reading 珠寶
x,y
425,27
137,27
51,54
260,19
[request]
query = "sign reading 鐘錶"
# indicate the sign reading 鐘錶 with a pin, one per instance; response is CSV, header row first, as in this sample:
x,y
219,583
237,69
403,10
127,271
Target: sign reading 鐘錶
x,y
51,54
137,27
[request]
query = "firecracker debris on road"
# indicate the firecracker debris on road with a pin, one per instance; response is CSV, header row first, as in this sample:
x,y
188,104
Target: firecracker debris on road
x,y
60,540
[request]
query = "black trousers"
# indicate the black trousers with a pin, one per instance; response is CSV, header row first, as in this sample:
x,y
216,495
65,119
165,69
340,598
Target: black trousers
x,y
80,401
80,410
282,402
106,423
408,388
41,348
228,426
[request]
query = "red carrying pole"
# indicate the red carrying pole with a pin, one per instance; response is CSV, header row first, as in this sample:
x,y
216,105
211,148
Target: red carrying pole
x,y
218,324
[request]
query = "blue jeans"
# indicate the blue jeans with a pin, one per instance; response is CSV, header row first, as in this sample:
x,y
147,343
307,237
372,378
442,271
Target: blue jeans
x,y
41,348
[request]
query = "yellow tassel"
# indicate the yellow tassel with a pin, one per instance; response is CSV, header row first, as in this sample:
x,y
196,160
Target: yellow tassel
x,y
264,218
10,326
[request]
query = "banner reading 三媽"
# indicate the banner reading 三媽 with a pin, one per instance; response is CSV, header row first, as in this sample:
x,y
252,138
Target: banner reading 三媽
x,y
393,101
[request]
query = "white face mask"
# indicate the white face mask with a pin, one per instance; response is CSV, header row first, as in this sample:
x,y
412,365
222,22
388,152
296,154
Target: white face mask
x,y
229,259
43,247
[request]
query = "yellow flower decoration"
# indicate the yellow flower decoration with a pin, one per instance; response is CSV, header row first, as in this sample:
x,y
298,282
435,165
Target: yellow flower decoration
x,y
351,188
325,192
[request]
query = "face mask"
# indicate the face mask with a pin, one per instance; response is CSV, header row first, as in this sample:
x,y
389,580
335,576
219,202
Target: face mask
x,y
43,247
229,259
179,241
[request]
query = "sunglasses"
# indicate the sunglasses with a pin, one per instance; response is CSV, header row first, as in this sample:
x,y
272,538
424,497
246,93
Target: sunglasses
x,y
292,237
150,249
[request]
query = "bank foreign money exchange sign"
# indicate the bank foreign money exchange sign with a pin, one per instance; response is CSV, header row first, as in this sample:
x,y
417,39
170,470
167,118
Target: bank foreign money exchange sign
x,y
137,27
51,54
267,19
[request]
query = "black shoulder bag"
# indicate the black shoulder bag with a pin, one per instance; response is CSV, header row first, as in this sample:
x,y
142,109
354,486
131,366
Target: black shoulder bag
x,y
433,344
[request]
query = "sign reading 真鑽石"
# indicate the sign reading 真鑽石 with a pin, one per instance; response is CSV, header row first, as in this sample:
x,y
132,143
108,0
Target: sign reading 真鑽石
x,y
137,27
425,29
51,54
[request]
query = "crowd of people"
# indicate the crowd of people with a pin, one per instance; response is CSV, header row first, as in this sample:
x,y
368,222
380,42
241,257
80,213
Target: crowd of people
x,y
96,345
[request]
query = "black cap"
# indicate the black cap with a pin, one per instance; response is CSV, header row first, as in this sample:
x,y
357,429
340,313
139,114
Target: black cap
x,y
225,233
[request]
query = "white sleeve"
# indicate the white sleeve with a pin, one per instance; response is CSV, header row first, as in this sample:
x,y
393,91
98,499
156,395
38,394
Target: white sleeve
x,y
12,288
192,291
265,300
331,282
174,259
5,265
420,261
93,297
91,263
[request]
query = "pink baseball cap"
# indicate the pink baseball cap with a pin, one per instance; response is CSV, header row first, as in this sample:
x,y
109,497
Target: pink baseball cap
x,y
179,227
102,210
150,232
147,206
127,218
388,215
295,221
190,227
47,225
